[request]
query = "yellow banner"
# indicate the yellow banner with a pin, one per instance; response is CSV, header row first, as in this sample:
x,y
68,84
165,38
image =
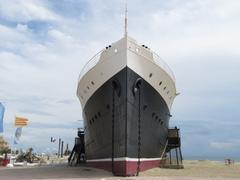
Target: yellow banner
x,y
19,121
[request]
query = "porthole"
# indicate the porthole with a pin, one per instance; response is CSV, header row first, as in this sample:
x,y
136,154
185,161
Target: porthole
x,y
144,107
92,82
164,88
150,75
156,117
162,123
160,83
115,50
159,120
88,87
95,116
92,119
153,114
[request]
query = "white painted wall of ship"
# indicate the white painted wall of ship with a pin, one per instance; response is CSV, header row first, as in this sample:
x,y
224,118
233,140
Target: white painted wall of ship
x,y
126,52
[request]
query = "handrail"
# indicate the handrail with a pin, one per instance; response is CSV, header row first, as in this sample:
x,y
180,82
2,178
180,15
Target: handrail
x,y
156,58
159,61
90,64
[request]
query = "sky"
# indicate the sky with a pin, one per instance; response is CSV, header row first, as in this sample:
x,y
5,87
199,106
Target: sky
x,y
44,45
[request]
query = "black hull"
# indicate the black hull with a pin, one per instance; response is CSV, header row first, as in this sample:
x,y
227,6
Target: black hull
x,y
98,118
110,111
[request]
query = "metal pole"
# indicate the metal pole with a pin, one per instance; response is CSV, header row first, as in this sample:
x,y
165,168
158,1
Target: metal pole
x,y
180,154
170,156
62,150
59,145
177,156
66,150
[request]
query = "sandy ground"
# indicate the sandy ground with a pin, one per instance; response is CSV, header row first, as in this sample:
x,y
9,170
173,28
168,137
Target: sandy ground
x,y
201,169
194,170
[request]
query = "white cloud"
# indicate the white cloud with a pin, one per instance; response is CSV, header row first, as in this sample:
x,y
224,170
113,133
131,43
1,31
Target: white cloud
x,y
224,145
22,28
20,10
9,34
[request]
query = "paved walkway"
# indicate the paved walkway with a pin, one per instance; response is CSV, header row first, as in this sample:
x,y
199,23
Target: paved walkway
x,y
52,172
73,173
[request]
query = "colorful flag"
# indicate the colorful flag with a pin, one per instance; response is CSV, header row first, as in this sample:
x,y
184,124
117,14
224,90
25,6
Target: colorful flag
x,y
2,109
15,141
19,121
18,134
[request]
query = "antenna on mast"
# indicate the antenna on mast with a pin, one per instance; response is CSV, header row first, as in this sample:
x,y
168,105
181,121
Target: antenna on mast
x,y
126,20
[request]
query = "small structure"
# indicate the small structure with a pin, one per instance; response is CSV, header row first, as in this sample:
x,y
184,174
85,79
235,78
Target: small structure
x,y
229,161
77,155
173,158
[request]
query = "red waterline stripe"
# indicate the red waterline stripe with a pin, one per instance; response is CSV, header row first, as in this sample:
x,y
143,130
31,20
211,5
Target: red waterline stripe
x,y
124,168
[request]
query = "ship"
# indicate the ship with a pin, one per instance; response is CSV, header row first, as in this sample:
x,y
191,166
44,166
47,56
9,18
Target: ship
x,y
126,92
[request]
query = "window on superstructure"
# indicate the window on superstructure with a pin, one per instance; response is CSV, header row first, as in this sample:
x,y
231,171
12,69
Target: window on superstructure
x,y
160,83
150,75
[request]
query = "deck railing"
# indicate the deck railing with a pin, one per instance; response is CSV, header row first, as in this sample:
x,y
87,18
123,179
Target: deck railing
x,y
90,64
156,58
160,62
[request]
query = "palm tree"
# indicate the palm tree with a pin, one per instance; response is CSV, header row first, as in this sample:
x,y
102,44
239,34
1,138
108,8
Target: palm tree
x,y
4,147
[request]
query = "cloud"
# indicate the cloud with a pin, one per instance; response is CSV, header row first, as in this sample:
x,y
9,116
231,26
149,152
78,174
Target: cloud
x,y
33,111
224,145
66,101
20,11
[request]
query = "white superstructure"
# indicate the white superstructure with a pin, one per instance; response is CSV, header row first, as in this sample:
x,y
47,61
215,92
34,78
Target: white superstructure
x,y
126,53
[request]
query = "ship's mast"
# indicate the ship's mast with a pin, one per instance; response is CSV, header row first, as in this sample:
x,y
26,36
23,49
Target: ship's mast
x,y
126,20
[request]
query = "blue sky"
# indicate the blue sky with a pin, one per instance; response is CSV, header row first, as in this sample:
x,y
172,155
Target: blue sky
x,y
44,44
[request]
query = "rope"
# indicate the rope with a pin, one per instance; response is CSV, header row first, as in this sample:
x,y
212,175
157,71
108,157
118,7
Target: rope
x,y
113,118
139,132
